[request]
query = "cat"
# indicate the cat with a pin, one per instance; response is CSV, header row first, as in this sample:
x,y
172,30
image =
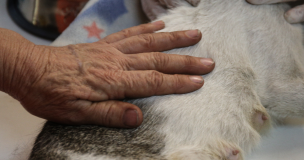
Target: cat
x,y
258,80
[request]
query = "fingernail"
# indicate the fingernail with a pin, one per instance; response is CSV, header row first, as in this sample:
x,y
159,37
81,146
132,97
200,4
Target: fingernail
x,y
158,23
193,33
130,118
197,79
207,61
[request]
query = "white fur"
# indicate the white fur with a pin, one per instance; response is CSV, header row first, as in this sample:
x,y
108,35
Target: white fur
x,y
259,61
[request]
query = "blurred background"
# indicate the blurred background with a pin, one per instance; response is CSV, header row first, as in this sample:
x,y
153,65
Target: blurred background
x,y
18,128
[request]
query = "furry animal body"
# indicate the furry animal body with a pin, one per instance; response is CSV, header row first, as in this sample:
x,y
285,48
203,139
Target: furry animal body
x,y
258,79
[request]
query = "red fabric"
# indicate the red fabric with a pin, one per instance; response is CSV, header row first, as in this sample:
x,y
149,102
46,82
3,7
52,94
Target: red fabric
x,y
66,12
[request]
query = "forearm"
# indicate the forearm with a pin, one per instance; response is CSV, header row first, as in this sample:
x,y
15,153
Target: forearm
x,y
18,60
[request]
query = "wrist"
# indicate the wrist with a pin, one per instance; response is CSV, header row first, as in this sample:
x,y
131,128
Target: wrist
x,y
21,63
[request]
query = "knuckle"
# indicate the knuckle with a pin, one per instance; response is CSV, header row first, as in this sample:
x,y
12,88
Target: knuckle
x,y
177,83
174,36
143,27
155,79
126,33
109,113
148,40
160,60
127,64
188,60
106,118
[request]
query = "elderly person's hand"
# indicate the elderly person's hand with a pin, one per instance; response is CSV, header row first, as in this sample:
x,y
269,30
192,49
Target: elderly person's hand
x,y
153,8
294,15
80,84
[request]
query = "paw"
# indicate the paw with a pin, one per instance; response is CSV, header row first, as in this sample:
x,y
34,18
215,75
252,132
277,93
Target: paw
x,y
260,119
216,150
233,154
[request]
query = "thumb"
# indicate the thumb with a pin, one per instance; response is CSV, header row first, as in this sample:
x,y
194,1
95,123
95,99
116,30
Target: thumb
x,y
113,114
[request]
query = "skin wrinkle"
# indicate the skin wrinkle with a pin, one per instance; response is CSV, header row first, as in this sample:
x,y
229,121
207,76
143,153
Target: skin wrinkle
x,y
177,84
148,41
23,64
16,61
56,77
107,118
39,78
9,70
109,80
125,32
222,110
122,49
158,61
156,80
20,70
131,83
127,65
122,80
87,94
92,85
131,64
188,62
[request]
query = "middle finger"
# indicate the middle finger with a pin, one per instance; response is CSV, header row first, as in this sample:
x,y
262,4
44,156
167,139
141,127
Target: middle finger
x,y
170,63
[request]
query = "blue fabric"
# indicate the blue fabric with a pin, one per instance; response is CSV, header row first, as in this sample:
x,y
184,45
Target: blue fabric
x,y
109,10
101,18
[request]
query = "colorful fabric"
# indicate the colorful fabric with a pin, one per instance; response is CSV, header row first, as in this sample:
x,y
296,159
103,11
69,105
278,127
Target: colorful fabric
x,y
100,18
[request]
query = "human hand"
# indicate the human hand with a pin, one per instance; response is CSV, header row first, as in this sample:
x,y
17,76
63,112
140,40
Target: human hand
x,y
294,15
80,84
153,8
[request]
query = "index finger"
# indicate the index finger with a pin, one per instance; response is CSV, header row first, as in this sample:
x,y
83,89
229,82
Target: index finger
x,y
157,42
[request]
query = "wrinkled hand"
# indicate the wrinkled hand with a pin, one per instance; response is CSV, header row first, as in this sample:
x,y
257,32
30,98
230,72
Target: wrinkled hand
x,y
153,8
294,15
81,83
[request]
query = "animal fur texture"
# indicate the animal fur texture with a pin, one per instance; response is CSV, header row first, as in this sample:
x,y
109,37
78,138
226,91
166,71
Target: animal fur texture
x,y
259,76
